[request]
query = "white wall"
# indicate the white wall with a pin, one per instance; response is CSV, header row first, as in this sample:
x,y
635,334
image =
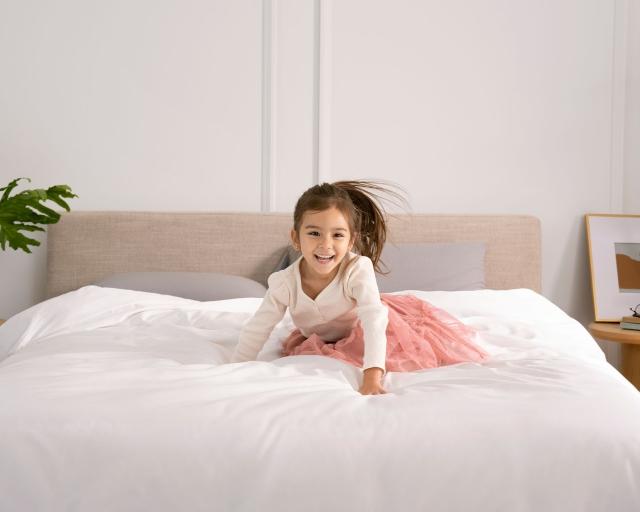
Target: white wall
x,y
632,119
482,107
474,107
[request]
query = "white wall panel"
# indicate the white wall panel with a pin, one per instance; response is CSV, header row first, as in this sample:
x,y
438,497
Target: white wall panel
x,y
482,107
294,134
632,109
145,105
137,105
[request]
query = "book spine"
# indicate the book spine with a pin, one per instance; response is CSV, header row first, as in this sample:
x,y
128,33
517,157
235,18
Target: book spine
x,y
628,325
631,319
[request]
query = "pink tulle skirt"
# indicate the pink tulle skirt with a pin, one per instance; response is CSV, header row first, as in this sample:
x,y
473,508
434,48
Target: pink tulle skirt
x,y
419,335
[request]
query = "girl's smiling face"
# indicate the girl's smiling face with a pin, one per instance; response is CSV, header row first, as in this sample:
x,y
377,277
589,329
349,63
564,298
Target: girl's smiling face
x,y
324,240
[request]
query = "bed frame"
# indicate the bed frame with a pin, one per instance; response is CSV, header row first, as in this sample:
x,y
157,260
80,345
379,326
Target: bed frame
x,y
84,247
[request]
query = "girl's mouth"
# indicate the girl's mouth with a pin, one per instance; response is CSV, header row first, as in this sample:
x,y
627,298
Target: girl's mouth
x,y
323,260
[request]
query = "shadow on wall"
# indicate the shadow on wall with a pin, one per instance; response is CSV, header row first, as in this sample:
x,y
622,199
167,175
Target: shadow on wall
x,y
576,289
24,276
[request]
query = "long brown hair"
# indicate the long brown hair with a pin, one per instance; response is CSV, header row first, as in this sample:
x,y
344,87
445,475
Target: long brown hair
x,y
361,204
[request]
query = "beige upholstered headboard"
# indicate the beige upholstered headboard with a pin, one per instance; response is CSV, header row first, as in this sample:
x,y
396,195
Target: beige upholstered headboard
x,y
86,246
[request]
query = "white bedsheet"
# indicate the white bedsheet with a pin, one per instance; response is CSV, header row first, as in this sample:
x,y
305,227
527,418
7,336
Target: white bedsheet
x,y
120,400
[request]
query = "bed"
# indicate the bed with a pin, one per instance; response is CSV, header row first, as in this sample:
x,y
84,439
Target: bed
x,y
116,399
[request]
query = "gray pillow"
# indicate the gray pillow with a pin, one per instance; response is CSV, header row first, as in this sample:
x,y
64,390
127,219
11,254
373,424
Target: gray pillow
x,y
203,286
433,266
425,266
289,255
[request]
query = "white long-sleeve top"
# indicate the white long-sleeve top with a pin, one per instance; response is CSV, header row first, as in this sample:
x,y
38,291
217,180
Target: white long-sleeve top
x,y
353,294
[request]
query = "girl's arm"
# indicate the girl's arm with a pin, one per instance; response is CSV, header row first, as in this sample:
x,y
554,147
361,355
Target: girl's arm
x,y
373,315
257,330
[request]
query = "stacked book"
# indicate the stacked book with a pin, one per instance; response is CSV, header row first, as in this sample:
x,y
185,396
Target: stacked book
x,y
630,322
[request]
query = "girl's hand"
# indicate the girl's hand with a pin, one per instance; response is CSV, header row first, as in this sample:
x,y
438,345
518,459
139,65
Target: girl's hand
x,y
372,382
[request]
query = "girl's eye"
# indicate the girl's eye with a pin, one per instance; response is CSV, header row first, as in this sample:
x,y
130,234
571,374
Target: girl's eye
x,y
315,233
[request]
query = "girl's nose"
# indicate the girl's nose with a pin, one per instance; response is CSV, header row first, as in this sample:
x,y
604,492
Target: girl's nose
x,y
326,241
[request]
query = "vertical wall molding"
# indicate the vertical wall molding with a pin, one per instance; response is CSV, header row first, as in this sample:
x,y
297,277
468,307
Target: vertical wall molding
x,y
269,106
618,103
316,92
322,93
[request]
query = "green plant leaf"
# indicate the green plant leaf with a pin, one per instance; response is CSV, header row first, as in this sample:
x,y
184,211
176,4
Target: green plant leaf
x,y
25,210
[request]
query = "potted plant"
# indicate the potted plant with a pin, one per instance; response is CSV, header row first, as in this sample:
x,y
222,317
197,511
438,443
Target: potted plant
x,y
24,211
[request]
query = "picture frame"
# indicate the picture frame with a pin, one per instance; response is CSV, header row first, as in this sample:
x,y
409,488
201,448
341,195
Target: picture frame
x,y
614,259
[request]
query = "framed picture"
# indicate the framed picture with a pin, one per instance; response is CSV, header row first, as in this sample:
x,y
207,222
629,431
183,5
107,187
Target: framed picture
x,y
614,256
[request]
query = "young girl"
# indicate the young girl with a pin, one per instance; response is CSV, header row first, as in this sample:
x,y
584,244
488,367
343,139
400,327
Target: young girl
x,y
333,297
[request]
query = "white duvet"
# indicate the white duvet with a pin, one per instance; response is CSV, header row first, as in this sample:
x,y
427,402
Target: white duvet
x,y
114,400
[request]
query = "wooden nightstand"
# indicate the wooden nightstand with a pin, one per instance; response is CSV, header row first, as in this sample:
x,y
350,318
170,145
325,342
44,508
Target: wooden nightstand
x,y
630,350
